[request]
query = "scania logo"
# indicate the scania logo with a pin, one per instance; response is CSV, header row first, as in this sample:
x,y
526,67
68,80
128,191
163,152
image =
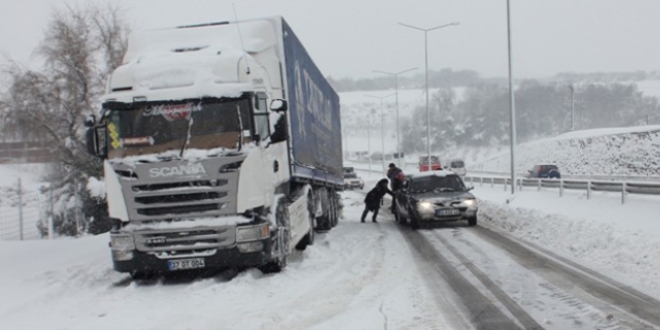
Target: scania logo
x,y
189,169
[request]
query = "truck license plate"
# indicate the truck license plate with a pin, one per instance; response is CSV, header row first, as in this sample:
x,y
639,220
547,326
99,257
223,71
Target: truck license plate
x,y
185,264
446,212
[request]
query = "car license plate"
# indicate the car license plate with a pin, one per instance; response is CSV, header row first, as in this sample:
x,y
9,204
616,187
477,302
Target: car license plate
x,y
185,264
447,212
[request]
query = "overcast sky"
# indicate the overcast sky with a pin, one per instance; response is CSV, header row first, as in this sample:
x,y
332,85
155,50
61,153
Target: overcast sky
x,y
350,38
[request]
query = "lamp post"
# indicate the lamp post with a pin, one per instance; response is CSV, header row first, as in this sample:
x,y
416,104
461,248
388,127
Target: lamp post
x,y
426,74
572,88
512,102
396,92
382,124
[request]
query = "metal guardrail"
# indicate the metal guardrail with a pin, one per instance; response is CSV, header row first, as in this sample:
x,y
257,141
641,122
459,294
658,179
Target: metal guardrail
x,y
624,188
581,177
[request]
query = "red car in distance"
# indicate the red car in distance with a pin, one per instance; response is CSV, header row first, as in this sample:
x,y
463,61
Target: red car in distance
x,y
424,163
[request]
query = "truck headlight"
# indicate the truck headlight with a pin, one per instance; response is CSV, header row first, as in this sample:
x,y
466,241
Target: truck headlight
x,y
252,233
122,242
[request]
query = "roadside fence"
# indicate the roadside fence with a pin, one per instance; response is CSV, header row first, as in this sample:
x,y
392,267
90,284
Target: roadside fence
x,y
22,214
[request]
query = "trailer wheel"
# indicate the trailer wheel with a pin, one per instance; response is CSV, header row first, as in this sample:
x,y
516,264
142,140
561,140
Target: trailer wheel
x,y
281,241
323,223
334,212
309,238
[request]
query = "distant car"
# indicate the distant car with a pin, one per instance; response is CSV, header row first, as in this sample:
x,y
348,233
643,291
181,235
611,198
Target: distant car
x,y
434,197
424,163
545,172
352,181
458,166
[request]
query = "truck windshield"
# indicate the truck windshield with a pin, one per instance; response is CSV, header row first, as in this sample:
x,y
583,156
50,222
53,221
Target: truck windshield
x,y
437,184
158,127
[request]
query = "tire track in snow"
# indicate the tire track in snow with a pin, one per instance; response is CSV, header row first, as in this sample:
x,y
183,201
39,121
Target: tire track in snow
x,y
483,314
525,319
620,299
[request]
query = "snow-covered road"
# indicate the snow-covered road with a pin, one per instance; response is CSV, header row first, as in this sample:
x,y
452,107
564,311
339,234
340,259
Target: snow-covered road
x,y
357,276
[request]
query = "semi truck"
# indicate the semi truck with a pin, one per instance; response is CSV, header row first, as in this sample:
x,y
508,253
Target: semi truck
x,y
221,147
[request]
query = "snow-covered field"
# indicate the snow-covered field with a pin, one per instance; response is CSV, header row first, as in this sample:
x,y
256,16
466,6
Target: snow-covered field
x,y
357,276
616,151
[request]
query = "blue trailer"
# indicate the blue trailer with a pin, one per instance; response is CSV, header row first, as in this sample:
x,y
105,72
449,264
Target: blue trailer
x,y
314,116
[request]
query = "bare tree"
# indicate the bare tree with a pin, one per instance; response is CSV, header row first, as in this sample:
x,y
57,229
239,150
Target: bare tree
x,y
81,47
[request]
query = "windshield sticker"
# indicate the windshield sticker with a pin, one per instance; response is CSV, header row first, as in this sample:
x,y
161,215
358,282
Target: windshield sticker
x,y
114,136
172,112
137,141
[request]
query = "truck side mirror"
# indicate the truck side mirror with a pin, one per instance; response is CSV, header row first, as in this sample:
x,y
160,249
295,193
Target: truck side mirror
x,y
90,140
279,105
90,121
281,132
95,141
101,141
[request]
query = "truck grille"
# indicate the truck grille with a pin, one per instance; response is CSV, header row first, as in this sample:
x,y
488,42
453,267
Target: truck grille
x,y
213,193
188,240
180,198
177,210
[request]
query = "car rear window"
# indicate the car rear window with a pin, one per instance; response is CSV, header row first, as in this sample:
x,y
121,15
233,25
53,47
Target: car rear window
x,y
437,183
457,164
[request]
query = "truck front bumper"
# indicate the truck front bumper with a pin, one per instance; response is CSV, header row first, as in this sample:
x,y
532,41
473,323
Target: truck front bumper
x,y
222,258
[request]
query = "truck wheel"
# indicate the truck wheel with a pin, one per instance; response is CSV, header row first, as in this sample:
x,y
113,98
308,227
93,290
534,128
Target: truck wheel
x,y
323,223
309,238
141,275
472,221
280,243
334,212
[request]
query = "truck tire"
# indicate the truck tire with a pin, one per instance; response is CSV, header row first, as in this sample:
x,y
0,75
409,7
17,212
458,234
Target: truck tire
x,y
309,238
142,275
281,241
334,209
323,222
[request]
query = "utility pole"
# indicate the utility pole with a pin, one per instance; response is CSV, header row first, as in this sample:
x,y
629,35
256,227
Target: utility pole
x,y
512,103
426,77
396,92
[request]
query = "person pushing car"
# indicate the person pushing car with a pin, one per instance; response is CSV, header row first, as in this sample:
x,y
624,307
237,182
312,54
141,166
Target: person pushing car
x,y
374,198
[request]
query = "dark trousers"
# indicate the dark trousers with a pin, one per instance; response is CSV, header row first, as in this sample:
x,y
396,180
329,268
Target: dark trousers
x,y
366,211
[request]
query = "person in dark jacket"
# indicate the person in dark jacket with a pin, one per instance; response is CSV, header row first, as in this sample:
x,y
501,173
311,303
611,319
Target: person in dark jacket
x,y
373,199
397,178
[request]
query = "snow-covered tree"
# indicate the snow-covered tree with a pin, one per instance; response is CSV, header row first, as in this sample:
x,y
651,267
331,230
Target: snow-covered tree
x,y
81,46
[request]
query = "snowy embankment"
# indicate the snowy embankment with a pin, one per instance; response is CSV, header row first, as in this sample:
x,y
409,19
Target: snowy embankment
x,y
613,151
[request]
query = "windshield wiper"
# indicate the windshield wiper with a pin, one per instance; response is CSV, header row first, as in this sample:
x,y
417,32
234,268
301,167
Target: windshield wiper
x,y
187,141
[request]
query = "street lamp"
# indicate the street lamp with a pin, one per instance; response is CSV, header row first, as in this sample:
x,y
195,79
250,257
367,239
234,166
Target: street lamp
x,y
426,74
512,102
572,89
382,124
396,92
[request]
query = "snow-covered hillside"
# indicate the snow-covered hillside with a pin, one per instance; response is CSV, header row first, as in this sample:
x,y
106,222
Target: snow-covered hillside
x,y
616,151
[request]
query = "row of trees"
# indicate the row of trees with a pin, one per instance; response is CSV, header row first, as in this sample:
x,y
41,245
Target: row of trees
x,y
481,116
81,46
443,78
